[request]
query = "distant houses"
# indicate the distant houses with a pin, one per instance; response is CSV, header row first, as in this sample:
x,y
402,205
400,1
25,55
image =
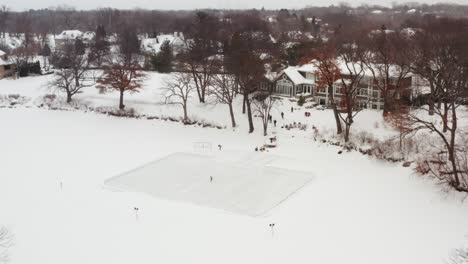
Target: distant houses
x,y
302,81
66,37
7,67
153,44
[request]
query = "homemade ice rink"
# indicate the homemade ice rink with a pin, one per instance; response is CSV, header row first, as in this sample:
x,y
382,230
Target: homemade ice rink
x,y
242,184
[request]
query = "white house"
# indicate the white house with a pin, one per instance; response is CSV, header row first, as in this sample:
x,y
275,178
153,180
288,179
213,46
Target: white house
x,y
67,36
294,81
153,45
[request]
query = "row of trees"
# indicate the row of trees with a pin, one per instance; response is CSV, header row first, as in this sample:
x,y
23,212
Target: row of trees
x,y
436,51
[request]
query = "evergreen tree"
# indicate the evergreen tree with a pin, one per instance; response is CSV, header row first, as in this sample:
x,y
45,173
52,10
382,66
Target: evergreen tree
x,y
162,62
80,47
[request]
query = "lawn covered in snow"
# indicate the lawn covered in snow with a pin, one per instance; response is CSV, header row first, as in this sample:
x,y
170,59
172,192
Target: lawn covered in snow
x,y
53,197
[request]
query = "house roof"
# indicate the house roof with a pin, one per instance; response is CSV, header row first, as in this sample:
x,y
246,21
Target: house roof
x,y
2,53
294,75
6,62
154,44
69,34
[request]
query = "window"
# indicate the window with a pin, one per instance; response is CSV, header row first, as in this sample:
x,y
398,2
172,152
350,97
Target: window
x,y
7,67
338,89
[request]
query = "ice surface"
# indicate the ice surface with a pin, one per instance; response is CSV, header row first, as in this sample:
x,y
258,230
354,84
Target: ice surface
x,y
235,185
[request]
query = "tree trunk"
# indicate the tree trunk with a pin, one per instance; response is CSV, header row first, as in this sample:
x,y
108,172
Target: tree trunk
x,y
203,92
185,113
69,97
265,128
339,129
430,100
249,115
452,147
445,118
385,105
231,112
121,105
346,135
244,103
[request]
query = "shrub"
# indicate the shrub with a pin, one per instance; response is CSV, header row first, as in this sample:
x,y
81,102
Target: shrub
x,y
301,101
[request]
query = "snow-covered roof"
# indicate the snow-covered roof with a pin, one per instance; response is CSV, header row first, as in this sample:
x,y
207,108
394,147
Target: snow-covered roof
x,y
2,53
89,35
69,34
6,62
12,42
421,90
154,44
295,76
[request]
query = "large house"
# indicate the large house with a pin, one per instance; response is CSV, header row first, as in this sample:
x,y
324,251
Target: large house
x,y
153,45
66,37
297,81
7,67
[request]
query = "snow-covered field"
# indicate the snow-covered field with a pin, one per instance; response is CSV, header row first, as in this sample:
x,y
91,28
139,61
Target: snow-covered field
x,y
53,198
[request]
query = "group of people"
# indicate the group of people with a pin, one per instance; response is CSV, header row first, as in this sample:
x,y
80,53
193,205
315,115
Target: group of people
x,y
270,118
298,125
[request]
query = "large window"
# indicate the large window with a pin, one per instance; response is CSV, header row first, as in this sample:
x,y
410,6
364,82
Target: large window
x,y
363,91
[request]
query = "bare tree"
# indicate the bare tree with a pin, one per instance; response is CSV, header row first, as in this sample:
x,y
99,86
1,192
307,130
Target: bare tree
x,y
459,256
389,62
72,72
451,165
123,75
249,69
351,55
263,104
179,88
328,73
201,49
224,87
4,16
6,240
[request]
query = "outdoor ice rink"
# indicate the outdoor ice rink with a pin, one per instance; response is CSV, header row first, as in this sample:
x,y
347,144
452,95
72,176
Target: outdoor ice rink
x,y
243,184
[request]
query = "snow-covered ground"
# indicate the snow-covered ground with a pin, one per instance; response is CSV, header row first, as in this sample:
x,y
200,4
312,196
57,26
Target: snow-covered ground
x,y
356,209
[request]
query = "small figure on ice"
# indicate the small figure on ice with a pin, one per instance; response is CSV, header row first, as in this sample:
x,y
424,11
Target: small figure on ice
x,y
274,122
136,209
282,115
220,147
272,227
211,178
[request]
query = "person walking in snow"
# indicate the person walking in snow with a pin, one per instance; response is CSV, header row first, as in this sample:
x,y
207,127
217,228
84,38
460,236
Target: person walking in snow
x,y
211,178
274,122
282,115
292,109
219,146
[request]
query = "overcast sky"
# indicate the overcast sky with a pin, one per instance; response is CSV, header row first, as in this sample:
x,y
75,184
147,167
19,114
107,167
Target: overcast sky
x,y
19,5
